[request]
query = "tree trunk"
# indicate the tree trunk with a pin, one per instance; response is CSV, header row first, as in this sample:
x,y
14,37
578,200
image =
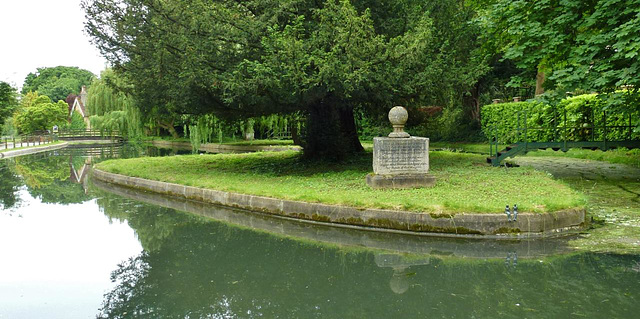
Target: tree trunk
x,y
295,135
169,127
331,131
472,101
539,82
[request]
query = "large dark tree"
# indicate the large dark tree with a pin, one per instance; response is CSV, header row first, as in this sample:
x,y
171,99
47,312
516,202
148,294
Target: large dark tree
x,y
8,102
57,82
259,57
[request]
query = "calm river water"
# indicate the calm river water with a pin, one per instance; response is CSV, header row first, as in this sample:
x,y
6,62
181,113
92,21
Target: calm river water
x,y
72,248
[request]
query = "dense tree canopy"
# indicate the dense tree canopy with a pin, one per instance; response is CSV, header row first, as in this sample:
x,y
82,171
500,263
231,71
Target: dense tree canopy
x,y
8,101
111,108
57,82
38,113
252,58
584,45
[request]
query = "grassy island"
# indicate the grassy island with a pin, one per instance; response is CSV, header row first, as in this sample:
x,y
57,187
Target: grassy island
x,y
464,182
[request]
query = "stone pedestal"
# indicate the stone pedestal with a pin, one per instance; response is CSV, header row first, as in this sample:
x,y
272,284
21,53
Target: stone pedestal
x,y
400,163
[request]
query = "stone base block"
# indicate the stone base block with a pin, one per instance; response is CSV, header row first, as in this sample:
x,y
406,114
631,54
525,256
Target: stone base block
x,y
400,181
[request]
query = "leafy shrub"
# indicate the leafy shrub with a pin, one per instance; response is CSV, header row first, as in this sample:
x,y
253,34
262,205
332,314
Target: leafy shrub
x,y
77,122
504,119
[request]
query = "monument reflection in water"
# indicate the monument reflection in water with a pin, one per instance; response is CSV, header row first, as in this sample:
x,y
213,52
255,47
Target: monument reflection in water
x,y
199,261
217,262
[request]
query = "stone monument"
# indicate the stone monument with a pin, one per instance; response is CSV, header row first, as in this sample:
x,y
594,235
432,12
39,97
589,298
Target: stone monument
x,y
400,160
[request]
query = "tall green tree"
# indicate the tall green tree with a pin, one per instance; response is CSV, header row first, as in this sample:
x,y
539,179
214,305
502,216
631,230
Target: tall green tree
x,y
586,45
57,82
38,113
8,101
253,58
111,108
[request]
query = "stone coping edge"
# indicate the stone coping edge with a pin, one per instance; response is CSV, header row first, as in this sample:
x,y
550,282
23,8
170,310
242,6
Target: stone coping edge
x,y
527,225
214,147
32,150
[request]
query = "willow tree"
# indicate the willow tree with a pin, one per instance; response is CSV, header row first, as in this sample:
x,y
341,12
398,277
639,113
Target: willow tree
x,y
111,108
260,57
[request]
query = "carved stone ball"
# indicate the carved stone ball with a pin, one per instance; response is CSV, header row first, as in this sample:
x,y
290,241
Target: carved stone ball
x,y
398,116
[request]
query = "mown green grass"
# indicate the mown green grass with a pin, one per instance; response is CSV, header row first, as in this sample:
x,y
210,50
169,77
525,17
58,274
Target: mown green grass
x,y
479,148
464,182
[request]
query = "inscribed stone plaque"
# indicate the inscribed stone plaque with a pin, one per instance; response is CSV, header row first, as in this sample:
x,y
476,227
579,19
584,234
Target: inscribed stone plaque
x,y
393,156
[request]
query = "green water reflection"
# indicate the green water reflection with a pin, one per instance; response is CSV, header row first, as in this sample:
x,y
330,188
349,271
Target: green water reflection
x,y
251,267
197,268
200,261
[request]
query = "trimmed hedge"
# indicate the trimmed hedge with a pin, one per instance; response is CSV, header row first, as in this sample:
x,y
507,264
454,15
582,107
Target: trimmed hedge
x,y
584,121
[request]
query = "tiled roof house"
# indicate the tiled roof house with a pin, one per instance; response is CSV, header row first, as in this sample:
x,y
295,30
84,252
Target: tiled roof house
x,y
79,105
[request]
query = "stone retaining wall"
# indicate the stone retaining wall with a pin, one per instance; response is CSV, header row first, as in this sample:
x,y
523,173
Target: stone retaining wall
x,y
346,236
528,224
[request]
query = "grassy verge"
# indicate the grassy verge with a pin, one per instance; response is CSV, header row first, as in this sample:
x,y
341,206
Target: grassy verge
x,y
32,146
479,148
464,182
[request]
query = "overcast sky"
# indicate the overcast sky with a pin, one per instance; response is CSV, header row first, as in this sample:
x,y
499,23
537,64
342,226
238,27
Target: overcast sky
x,y
43,33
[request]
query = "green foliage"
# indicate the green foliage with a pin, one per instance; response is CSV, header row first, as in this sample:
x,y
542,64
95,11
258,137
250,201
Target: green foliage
x,y
8,101
576,118
589,45
203,131
257,58
9,128
57,82
111,108
452,124
77,122
209,128
38,113
504,119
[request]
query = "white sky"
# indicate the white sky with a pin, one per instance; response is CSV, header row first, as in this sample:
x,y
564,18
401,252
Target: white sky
x,y
43,33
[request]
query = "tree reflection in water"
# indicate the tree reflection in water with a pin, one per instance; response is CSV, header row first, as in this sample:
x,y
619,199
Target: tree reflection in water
x,y
9,186
197,268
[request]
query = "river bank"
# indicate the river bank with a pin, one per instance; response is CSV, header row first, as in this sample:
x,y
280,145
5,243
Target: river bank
x,y
469,197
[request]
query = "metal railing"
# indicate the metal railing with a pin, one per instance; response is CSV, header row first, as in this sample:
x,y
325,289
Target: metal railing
x,y
561,134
